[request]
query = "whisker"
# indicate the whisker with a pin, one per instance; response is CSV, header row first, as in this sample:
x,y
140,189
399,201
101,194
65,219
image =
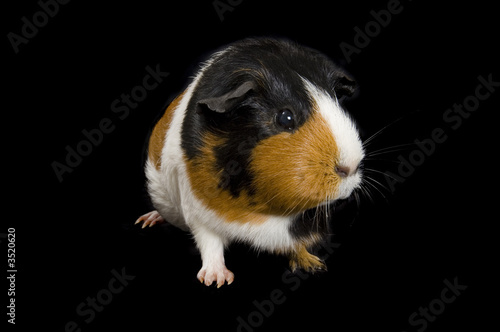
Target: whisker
x,y
366,192
357,199
382,159
378,132
355,217
368,179
377,182
366,169
373,136
389,149
315,221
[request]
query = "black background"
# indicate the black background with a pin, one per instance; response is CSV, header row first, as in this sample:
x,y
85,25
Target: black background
x,y
395,250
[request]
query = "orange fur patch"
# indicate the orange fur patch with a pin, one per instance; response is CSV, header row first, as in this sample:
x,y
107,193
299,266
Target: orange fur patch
x,y
205,179
294,172
157,139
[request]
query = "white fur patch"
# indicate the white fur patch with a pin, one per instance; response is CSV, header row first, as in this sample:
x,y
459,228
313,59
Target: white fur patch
x,y
345,135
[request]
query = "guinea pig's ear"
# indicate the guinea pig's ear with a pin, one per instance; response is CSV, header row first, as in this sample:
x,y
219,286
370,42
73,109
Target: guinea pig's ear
x,y
227,101
344,86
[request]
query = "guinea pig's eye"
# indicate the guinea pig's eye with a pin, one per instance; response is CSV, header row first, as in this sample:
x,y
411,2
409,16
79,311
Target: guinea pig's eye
x,y
285,119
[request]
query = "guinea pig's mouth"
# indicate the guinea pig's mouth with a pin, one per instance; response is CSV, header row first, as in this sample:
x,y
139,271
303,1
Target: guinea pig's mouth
x,y
348,185
338,202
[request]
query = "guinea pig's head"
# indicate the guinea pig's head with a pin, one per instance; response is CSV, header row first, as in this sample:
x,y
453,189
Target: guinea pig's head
x,y
268,131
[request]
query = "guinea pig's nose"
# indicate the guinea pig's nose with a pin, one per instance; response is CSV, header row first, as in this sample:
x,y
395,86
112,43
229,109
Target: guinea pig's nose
x,y
342,171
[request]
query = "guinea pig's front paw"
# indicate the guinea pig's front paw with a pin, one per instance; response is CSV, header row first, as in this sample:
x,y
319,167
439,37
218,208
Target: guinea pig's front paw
x,y
217,273
302,259
151,218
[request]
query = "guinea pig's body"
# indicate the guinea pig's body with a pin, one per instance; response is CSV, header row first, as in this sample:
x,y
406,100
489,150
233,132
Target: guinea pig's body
x,y
255,143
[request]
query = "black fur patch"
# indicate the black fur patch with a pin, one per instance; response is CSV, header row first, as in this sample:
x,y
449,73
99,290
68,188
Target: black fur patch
x,y
274,67
312,221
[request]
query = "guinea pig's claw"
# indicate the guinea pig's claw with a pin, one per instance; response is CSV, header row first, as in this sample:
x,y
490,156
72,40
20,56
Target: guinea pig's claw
x,y
208,275
150,219
302,259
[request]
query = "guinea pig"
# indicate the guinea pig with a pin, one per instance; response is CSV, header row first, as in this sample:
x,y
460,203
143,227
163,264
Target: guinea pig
x,y
250,150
